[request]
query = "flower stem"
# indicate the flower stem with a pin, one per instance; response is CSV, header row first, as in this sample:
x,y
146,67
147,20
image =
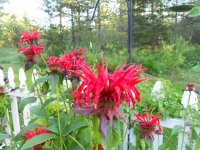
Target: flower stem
x,y
37,90
185,117
59,126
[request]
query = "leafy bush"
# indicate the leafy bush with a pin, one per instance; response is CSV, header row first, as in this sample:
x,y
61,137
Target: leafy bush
x,y
169,105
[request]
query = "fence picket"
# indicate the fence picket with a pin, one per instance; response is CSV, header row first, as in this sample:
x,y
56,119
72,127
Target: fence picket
x,y
1,78
11,77
22,79
157,90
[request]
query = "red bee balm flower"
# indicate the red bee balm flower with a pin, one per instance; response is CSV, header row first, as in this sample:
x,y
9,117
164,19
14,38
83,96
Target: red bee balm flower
x,y
33,50
149,125
30,37
102,95
30,134
54,63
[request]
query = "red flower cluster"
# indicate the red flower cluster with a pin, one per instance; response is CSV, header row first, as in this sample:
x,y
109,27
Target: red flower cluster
x,y
149,125
33,49
69,62
32,133
102,94
30,37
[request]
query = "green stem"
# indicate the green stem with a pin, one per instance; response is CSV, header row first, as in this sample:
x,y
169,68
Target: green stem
x,y
185,117
59,126
37,90
76,141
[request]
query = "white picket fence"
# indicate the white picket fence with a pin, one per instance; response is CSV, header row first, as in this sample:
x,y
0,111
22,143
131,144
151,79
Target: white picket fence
x,y
23,92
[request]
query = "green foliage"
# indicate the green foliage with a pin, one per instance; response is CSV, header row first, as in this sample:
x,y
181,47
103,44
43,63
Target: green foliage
x,y
167,59
12,26
168,106
56,42
37,140
194,12
177,129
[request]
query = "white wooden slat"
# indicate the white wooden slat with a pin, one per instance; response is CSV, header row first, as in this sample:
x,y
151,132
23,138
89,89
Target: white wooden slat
x,y
15,115
158,140
11,77
180,138
22,79
192,101
157,90
1,78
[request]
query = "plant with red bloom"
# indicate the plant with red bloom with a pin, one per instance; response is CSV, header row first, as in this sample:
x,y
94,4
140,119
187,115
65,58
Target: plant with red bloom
x,y
101,95
149,125
71,62
54,63
32,133
32,50
30,37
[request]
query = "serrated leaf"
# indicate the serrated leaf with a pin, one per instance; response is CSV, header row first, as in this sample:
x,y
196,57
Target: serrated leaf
x,y
76,124
38,140
177,129
53,81
25,102
4,136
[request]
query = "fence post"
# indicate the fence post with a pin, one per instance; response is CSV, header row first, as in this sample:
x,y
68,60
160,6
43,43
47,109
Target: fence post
x,y
180,138
22,79
11,77
1,78
158,140
193,99
157,90
14,105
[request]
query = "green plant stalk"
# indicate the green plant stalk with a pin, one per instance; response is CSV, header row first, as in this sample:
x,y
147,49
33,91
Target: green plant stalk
x,y
185,122
37,91
69,99
59,127
65,104
76,142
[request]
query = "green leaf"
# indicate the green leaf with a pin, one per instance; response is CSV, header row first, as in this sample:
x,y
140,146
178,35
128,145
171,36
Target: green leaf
x,y
177,129
53,81
38,111
4,136
194,12
45,88
113,136
38,81
37,140
25,102
54,128
48,101
76,124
